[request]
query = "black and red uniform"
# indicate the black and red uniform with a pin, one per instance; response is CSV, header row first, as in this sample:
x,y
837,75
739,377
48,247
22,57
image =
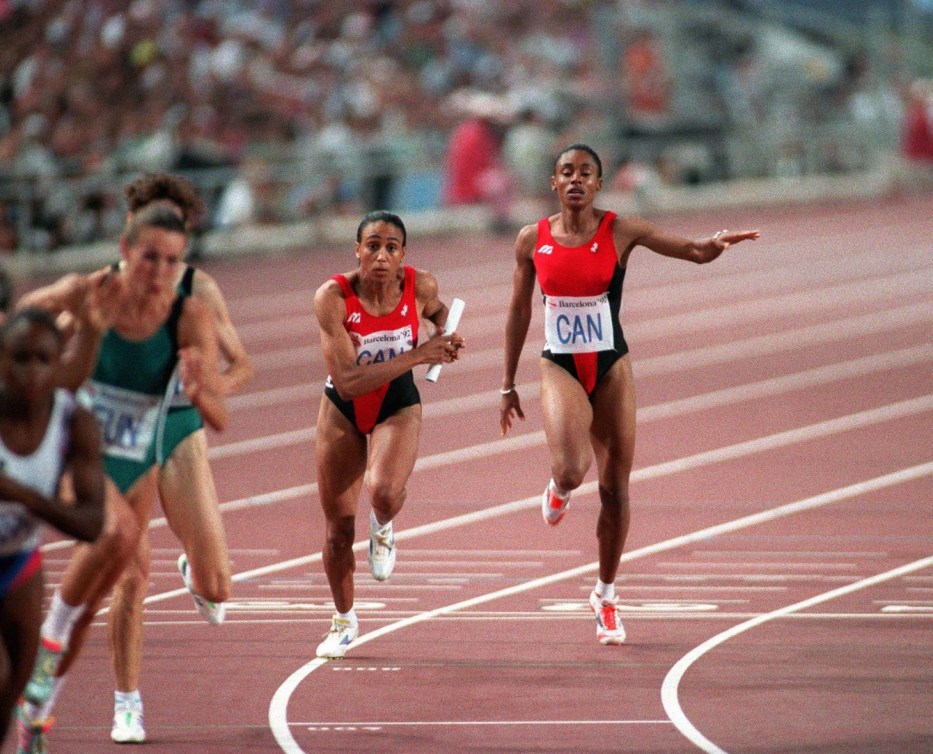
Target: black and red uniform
x,y
378,339
582,292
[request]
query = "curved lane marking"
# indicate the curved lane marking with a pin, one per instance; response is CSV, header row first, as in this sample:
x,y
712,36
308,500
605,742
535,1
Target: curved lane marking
x,y
278,719
669,688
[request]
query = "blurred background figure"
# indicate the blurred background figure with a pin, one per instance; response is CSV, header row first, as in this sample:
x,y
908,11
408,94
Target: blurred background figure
x,y
474,169
248,198
918,122
646,81
528,150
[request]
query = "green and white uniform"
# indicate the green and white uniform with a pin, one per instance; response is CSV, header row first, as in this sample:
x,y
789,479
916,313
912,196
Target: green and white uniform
x,y
128,393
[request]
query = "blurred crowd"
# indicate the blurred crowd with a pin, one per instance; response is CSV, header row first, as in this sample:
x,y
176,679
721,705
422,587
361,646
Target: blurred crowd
x,y
280,109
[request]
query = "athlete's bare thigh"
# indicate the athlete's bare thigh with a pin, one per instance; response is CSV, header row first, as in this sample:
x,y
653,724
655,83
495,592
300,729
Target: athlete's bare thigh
x,y
340,452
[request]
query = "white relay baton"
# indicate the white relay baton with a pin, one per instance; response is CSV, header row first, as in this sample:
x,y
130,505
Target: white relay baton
x,y
453,321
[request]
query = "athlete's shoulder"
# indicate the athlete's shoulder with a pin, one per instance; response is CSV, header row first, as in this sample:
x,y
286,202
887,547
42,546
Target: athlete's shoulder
x,y
527,237
425,285
339,285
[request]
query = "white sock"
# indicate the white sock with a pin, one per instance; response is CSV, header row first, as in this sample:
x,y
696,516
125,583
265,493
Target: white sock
x,y
61,619
127,700
375,527
605,591
350,615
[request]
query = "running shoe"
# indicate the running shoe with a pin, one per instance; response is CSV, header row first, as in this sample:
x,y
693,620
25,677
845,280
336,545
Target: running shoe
x,y
128,725
342,633
212,612
30,735
382,552
553,506
40,685
608,626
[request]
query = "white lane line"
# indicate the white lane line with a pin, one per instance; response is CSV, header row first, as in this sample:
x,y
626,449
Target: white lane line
x,y
278,706
875,323
823,332
669,688
814,300
488,276
316,726
853,368
517,442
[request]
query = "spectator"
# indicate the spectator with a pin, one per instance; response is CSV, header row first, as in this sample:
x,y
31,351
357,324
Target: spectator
x,y
918,122
474,168
647,82
528,149
246,199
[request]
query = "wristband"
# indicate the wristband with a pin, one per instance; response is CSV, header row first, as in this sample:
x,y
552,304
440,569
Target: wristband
x,y
506,392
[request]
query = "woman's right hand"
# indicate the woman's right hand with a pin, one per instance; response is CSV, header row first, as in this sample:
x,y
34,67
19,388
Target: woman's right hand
x,y
441,349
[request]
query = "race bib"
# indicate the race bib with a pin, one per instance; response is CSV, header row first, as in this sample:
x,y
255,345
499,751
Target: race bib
x,y
578,324
127,419
383,345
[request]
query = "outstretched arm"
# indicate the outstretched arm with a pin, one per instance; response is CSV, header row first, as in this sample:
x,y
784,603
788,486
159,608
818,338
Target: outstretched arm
x,y
632,232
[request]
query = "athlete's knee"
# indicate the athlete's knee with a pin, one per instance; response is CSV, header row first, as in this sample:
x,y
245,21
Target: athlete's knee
x,y
119,538
218,591
215,584
386,496
569,476
340,533
134,580
614,501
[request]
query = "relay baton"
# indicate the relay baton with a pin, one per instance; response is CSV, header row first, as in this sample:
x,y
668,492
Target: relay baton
x,y
453,321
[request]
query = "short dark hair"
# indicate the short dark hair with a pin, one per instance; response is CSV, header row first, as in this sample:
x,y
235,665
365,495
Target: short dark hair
x,y
34,316
381,216
583,148
154,216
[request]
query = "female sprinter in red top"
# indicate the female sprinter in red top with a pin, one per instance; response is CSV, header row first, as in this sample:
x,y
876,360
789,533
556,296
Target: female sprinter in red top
x,y
579,257
370,416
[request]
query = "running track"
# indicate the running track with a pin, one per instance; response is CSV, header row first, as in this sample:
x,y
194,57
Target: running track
x,y
778,583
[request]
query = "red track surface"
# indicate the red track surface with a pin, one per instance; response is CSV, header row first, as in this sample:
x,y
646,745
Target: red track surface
x,y
784,455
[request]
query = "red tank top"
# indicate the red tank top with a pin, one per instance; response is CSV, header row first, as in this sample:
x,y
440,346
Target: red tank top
x,y
582,296
378,339
381,338
585,270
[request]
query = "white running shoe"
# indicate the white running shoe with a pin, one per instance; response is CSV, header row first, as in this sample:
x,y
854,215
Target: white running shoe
x,y
212,612
553,506
335,644
608,626
381,552
128,726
